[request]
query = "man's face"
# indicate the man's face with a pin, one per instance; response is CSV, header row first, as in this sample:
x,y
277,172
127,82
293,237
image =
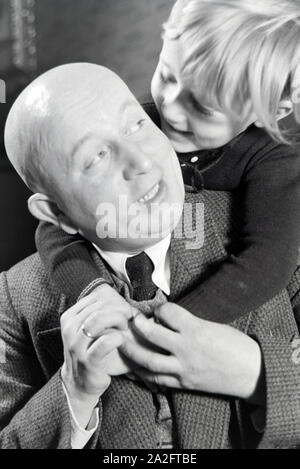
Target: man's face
x,y
189,124
120,178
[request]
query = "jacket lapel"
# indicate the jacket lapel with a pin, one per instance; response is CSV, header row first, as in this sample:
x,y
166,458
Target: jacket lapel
x,y
128,416
192,259
202,420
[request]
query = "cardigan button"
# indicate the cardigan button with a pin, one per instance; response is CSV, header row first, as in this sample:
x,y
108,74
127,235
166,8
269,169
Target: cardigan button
x,y
195,159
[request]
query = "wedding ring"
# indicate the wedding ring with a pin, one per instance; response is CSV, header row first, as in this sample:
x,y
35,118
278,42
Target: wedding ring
x,y
87,333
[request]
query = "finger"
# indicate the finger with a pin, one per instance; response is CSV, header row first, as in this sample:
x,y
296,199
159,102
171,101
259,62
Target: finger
x,y
111,298
94,327
161,380
152,361
80,306
125,308
133,367
132,312
97,322
89,325
74,321
171,315
157,334
73,325
99,315
103,346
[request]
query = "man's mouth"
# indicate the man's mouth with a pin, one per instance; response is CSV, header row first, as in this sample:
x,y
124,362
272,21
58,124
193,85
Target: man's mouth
x,y
153,195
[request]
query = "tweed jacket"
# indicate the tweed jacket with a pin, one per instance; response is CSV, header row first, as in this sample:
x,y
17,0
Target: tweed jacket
x,y
33,408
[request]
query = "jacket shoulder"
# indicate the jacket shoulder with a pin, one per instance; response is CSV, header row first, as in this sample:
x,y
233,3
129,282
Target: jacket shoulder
x,y
28,289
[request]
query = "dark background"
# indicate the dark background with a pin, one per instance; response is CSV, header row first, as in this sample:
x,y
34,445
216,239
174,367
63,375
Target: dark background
x,y
121,34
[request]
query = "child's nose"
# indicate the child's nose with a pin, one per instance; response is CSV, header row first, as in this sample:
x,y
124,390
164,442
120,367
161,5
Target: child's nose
x,y
172,107
172,94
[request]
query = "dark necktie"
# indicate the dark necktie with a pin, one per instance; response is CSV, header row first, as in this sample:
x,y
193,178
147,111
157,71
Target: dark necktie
x,y
139,270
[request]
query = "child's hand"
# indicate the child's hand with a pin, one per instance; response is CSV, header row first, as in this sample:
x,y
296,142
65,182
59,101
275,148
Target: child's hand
x,y
198,355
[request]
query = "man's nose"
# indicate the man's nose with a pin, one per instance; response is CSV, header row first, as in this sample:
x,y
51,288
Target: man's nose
x,y
136,161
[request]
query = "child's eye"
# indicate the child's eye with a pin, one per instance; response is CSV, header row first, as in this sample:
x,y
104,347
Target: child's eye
x,y
199,108
167,78
163,78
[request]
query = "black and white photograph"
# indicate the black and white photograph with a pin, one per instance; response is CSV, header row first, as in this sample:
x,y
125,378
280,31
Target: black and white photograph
x,y
150,227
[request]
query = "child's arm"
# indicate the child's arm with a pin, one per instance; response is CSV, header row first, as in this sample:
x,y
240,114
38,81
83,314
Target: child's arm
x,y
267,257
67,259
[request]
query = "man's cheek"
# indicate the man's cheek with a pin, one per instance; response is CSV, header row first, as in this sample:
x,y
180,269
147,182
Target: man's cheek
x,y
106,221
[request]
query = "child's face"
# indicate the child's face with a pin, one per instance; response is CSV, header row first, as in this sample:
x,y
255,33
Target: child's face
x,y
189,124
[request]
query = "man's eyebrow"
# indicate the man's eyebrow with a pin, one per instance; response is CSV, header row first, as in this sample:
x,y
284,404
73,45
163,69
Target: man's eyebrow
x,y
128,103
124,106
80,143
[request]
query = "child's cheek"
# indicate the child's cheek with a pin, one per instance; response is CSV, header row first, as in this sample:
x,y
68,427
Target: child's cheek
x,y
157,91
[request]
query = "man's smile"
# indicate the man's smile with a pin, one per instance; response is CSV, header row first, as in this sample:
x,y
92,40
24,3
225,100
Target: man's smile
x,y
155,194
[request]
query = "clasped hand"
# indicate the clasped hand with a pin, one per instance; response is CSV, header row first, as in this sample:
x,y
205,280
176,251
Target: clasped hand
x,y
178,350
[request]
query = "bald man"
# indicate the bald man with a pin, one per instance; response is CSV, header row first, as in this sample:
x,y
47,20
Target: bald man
x,y
79,139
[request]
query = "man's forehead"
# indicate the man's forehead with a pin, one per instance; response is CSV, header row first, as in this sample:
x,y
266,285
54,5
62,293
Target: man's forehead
x,y
90,107
104,120
102,114
101,104
84,88
111,90
116,105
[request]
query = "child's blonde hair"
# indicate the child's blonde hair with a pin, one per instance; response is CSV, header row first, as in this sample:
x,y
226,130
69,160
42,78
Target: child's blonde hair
x,y
241,53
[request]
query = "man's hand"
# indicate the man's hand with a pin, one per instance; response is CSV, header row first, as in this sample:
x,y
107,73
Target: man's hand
x,y
92,332
199,355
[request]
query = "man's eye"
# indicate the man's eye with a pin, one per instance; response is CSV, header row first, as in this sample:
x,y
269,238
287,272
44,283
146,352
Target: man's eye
x,y
101,155
136,127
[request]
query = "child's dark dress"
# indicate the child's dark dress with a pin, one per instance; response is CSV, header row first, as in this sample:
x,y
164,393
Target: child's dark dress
x,y
265,177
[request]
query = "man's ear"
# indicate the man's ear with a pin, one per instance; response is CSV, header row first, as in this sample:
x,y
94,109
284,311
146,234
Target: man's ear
x,y
285,108
44,209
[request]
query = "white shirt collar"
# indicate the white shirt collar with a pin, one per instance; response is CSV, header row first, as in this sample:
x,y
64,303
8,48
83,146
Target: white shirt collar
x,y
158,254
